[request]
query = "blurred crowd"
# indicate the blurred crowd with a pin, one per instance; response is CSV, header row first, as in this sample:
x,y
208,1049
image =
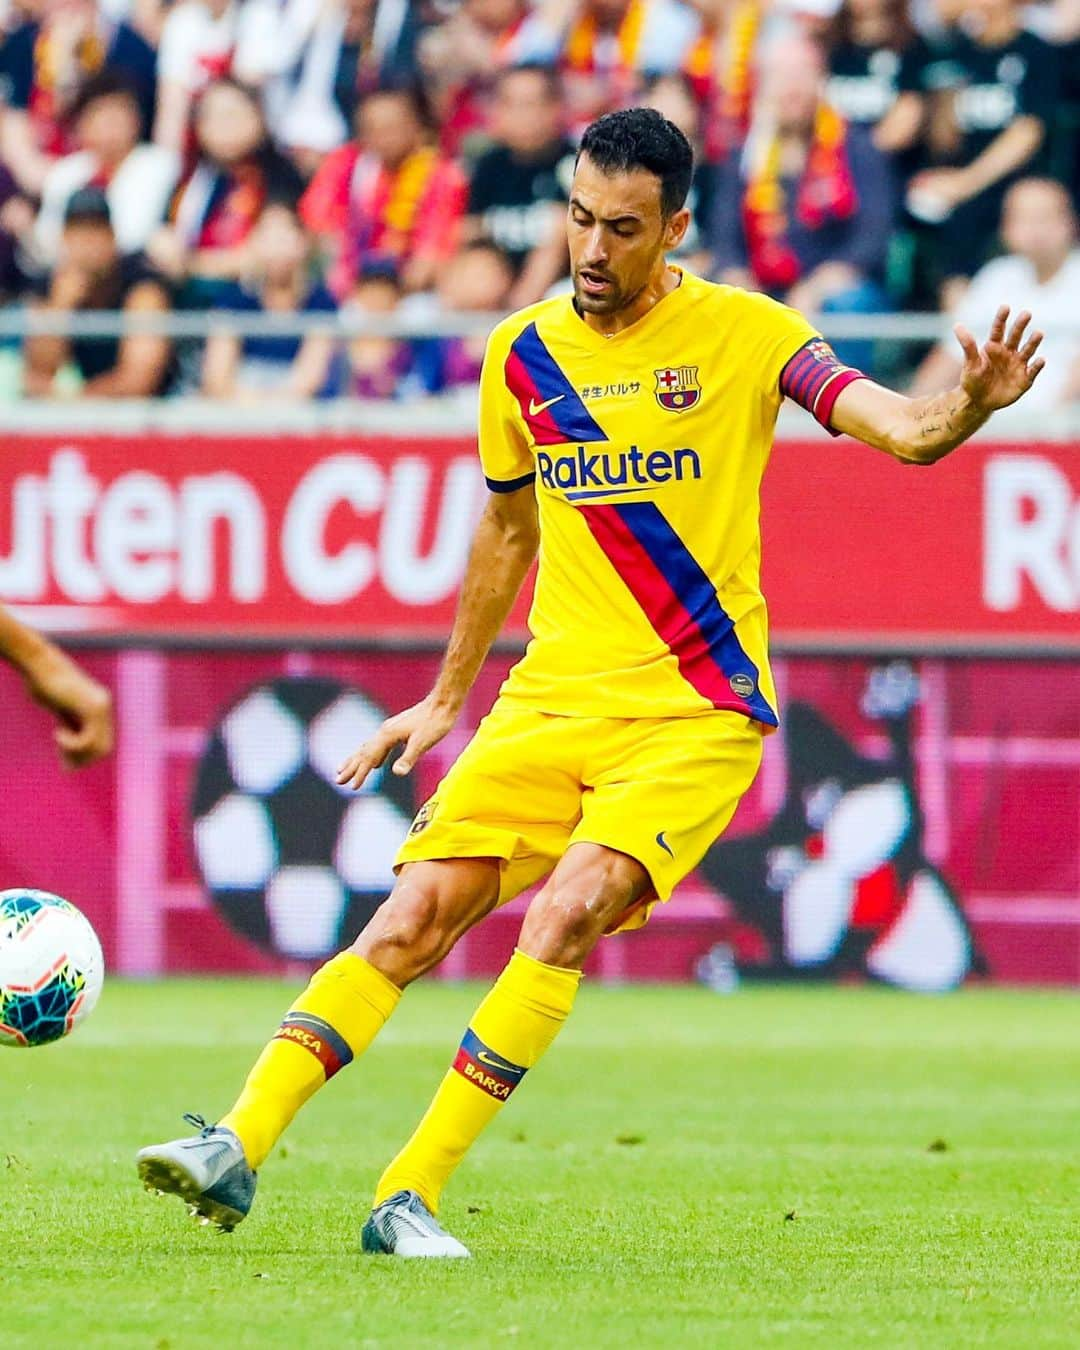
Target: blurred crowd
x,y
294,157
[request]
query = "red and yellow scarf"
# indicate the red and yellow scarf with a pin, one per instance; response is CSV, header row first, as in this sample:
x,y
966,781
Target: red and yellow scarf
x,y
579,51
720,69
45,112
825,192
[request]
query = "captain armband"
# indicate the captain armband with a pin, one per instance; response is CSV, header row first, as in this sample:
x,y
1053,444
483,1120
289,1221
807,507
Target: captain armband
x,y
814,377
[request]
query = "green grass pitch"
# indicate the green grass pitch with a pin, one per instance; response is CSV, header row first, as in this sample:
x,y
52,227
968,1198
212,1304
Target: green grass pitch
x,y
801,1167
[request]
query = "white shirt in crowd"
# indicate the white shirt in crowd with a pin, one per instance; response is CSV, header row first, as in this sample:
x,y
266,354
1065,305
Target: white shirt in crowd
x,y
138,197
1053,306
195,45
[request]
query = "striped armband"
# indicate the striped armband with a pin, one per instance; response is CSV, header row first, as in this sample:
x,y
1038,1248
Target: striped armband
x,y
814,377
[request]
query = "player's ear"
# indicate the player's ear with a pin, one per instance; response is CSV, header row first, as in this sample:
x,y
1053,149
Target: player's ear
x,y
675,230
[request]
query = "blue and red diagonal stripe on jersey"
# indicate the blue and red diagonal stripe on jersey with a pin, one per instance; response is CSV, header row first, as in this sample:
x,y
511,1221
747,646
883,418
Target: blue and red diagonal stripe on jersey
x,y
549,403
679,601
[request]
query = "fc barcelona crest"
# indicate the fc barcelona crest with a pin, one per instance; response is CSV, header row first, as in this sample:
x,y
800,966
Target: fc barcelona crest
x,y
677,387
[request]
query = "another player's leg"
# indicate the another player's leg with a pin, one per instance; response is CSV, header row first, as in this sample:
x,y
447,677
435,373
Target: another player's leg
x,y
333,1022
590,889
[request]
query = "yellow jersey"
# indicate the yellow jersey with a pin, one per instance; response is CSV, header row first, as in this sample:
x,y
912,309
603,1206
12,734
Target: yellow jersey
x,y
647,450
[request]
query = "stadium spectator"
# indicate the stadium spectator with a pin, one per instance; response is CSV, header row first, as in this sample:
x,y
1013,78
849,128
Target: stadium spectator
x,y
138,179
92,274
43,66
875,59
476,281
196,47
996,125
460,59
606,50
673,96
254,369
236,174
389,194
16,227
378,366
314,60
806,212
1040,273
518,189
720,66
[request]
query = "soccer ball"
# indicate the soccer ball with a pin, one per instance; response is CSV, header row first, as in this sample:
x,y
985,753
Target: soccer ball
x,y
292,861
51,968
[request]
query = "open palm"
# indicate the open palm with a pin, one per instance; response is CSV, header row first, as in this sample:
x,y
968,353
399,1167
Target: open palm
x,y
998,373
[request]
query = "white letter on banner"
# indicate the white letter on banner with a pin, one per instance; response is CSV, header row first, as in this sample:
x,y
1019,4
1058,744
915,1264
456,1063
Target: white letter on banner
x,y
205,501
22,572
407,576
135,537
1017,486
323,578
72,495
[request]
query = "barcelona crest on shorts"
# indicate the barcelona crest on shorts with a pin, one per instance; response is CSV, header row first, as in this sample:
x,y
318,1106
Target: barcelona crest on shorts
x,y
677,387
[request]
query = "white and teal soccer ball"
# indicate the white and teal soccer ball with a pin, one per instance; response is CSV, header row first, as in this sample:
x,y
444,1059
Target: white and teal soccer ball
x,y
51,968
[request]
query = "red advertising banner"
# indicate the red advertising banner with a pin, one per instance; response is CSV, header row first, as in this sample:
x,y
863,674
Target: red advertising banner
x,y
344,536
918,824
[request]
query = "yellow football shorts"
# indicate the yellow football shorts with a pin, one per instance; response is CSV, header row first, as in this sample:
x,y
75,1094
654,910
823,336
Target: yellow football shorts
x,y
529,784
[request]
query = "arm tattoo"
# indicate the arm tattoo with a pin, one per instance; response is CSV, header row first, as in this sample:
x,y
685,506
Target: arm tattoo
x,y
942,421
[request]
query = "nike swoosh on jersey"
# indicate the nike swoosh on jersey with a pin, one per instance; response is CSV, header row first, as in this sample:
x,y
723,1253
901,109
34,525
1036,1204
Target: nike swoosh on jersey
x,y
535,409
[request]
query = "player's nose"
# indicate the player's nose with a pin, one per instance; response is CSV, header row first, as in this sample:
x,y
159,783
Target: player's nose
x,y
596,248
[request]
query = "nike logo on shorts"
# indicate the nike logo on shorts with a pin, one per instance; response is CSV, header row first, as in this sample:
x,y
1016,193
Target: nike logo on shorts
x,y
535,409
664,843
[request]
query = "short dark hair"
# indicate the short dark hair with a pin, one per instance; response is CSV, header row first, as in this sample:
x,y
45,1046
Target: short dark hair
x,y
642,138
408,88
549,75
86,205
106,84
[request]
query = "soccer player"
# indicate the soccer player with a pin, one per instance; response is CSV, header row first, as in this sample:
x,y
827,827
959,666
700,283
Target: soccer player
x,y
623,433
82,707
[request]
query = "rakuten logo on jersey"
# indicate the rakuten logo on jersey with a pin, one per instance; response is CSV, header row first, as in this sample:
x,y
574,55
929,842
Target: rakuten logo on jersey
x,y
613,470
1031,534
345,524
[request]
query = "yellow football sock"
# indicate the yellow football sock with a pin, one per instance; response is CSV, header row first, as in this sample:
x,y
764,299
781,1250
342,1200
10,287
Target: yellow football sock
x,y
336,1018
511,1029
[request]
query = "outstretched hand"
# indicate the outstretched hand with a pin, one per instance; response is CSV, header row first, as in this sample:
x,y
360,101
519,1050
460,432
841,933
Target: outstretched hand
x,y
998,373
417,728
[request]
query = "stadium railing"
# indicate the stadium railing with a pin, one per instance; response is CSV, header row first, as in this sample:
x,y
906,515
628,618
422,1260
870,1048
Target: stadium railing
x,y
197,324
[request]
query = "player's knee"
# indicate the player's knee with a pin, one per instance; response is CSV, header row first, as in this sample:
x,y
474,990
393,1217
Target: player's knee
x,y
563,925
589,892
406,936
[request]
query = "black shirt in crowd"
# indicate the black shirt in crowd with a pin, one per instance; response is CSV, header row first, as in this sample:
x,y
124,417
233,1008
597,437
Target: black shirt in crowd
x,y
996,85
864,82
513,196
93,356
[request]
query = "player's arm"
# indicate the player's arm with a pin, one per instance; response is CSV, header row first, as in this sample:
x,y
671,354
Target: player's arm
x,y
503,549
924,430
83,707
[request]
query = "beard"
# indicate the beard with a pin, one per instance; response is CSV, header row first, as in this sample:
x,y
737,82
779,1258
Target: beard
x,y
608,301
